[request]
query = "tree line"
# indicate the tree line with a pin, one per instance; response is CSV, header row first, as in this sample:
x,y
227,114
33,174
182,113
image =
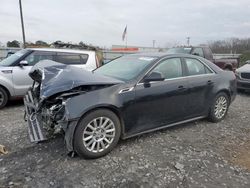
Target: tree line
x,y
232,45
17,44
56,44
41,43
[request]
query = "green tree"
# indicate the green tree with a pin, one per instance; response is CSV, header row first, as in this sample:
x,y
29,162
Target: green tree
x,y
41,43
81,43
13,43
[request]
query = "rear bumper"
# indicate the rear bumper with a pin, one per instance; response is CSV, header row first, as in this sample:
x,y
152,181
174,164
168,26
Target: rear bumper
x,y
243,84
35,129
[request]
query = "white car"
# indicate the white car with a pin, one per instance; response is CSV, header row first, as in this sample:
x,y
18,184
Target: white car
x,y
14,78
243,77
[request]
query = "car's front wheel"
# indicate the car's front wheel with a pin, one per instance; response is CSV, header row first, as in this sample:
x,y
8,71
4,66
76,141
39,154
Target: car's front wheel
x,y
97,134
219,107
3,97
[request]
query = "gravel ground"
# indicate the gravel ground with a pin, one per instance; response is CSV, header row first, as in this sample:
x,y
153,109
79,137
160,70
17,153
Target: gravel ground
x,y
198,154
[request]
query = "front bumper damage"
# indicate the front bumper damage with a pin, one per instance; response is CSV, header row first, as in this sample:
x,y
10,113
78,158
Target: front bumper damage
x,y
50,107
35,129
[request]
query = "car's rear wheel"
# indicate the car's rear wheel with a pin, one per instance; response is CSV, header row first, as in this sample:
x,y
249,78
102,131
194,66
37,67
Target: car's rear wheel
x,y
219,107
97,134
3,97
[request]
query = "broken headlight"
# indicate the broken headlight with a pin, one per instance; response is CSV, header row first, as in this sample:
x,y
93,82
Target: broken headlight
x,y
57,111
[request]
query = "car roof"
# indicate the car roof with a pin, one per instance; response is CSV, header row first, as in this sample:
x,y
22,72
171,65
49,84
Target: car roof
x,y
61,50
160,55
163,54
148,54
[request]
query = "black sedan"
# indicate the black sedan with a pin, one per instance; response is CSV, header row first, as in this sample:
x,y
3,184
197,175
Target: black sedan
x,y
129,96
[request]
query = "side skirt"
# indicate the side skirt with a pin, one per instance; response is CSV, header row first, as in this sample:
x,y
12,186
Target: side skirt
x,y
163,127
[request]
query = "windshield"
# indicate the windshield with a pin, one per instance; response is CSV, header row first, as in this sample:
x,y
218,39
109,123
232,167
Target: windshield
x,y
11,59
125,68
179,50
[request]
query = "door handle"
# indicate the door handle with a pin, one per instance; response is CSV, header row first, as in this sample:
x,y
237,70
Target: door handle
x,y
210,82
181,87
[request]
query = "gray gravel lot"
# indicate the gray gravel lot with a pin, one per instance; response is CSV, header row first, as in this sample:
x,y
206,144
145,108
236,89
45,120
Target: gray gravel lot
x,y
198,154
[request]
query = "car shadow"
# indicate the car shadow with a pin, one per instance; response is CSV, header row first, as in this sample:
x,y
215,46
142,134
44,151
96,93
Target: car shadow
x,y
14,103
244,93
156,133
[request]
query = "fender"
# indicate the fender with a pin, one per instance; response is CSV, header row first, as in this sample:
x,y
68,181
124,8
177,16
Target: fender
x,y
6,79
69,128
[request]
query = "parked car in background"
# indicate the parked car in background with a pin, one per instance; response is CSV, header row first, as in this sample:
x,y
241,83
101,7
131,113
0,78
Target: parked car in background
x,y
14,78
128,96
230,64
243,77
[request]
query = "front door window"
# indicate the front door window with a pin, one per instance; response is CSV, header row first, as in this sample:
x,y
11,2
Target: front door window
x,y
37,56
170,68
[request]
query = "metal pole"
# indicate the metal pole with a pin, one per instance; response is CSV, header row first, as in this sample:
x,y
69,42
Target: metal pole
x,y
126,40
153,43
188,41
21,15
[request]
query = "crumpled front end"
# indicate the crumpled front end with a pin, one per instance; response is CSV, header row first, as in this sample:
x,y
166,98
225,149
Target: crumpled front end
x,y
44,121
46,109
49,116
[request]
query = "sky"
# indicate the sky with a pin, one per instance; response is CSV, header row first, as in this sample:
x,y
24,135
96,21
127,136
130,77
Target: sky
x,y
102,22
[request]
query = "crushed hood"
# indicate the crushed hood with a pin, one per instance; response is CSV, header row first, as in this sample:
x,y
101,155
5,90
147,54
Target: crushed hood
x,y
56,78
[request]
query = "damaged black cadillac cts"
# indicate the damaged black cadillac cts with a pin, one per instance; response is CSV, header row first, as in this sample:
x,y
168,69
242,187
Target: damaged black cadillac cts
x,y
129,96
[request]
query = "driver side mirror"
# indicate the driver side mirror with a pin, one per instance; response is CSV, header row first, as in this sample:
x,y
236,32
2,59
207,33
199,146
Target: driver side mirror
x,y
23,63
154,76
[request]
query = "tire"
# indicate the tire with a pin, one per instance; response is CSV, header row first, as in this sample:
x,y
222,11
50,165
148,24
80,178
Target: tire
x,y
91,140
3,97
219,107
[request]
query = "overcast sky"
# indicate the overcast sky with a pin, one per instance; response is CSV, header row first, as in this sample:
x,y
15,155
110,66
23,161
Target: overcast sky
x,y
101,22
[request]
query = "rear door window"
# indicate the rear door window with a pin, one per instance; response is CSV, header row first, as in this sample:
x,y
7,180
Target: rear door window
x,y
195,67
72,58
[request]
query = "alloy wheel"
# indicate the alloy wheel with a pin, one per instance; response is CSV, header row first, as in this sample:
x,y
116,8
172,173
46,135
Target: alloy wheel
x,y
99,134
220,107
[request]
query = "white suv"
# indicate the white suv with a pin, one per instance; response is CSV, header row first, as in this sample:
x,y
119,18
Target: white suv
x,y
14,78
